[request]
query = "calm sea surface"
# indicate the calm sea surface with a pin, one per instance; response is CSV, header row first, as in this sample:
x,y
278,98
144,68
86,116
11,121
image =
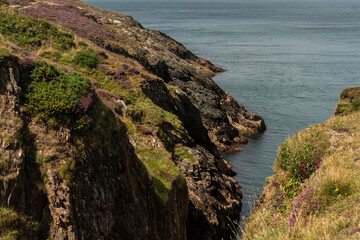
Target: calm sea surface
x,y
286,60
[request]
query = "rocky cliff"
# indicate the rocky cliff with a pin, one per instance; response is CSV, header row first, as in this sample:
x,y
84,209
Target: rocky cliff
x,y
315,191
76,185
110,130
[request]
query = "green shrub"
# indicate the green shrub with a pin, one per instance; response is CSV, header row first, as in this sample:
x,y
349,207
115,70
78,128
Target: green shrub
x,y
52,94
300,164
83,44
355,104
31,32
87,59
292,188
284,157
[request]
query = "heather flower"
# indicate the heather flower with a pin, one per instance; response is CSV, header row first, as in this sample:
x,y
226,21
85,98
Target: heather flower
x,y
27,63
147,77
306,204
84,103
74,19
133,71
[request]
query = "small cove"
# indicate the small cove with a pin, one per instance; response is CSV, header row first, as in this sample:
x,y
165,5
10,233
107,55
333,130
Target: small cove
x,y
286,60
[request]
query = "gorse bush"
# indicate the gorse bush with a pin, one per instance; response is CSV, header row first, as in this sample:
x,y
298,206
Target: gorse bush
x,y
52,94
87,59
32,32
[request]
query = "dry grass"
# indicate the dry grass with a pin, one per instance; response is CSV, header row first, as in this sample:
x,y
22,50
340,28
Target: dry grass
x,y
335,187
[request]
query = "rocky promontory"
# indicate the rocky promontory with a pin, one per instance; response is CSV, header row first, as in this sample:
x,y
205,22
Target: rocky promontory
x,y
110,130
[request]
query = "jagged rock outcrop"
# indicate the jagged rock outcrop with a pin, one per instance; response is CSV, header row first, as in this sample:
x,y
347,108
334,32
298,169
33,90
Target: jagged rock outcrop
x,y
214,196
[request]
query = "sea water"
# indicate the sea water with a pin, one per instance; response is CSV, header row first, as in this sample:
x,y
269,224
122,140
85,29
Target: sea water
x,y
286,60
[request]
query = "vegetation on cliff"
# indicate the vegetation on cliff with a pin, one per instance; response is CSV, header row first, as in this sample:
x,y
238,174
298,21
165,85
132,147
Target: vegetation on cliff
x,y
315,191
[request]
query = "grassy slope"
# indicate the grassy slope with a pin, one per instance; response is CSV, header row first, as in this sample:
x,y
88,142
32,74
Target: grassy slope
x,y
314,202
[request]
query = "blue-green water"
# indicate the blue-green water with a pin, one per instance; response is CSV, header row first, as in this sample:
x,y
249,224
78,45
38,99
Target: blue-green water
x,y
287,60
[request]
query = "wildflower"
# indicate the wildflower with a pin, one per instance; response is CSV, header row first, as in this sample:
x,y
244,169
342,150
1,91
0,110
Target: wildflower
x,y
345,194
351,162
334,218
340,195
336,190
345,229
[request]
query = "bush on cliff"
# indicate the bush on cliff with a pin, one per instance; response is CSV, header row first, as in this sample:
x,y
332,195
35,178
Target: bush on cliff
x,y
87,59
52,94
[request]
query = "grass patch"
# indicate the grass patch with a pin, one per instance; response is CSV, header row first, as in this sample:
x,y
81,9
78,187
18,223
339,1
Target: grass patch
x,y
32,33
183,152
162,169
15,226
66,171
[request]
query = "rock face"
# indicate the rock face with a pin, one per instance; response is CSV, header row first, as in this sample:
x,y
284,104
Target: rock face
x,y
214,196
78,187
155,109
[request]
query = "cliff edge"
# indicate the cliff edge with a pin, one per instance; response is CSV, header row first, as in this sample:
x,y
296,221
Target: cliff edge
x,y
315,191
